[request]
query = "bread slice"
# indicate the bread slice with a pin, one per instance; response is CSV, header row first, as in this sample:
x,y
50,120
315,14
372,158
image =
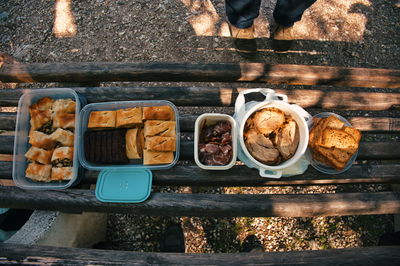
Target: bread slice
x,y
334,122
341,156
314,130
339,139
328,154
355,133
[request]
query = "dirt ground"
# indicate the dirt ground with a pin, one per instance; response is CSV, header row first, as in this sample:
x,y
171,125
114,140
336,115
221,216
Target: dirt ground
x,y
351,33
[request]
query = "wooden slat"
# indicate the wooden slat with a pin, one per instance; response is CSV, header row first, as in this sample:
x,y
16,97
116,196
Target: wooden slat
x,y
219,205
368,150
191,175
366,124
320,97
17,254
231,72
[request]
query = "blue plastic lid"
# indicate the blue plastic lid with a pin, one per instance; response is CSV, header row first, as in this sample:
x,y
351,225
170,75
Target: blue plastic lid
x,y
124,185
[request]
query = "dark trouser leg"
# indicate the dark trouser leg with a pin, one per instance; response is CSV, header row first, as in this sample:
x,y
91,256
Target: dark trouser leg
x,y
241,13
287,12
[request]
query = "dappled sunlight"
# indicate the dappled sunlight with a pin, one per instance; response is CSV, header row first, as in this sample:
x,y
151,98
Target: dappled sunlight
x,y
204,17
326,20
64,20
333,21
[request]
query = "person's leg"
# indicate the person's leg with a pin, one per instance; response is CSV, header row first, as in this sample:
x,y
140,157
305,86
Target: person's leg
x,y
287,12
241,13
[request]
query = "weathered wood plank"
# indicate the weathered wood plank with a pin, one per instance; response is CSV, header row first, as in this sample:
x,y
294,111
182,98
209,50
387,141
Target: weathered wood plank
x,y
366,124
17,254
219,205
368,150
229,72
321,97
191,175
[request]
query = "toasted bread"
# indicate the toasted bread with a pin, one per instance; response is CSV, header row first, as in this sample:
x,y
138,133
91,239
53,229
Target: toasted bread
x,y
339,139
328,154
334,122
355,133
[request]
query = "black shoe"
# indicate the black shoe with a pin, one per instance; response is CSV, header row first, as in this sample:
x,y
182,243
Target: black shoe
x,y
244,41
251,244
282,38
173,240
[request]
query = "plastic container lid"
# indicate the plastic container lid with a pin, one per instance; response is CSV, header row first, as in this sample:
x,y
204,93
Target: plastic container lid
x,y
124,185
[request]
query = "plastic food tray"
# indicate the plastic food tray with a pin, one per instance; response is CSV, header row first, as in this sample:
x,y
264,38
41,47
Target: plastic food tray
x,y
210,119
136,164
21,144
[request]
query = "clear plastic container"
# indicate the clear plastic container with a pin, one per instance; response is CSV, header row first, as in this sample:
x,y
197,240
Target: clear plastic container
x,y
83,126
323,168
211,119
21,144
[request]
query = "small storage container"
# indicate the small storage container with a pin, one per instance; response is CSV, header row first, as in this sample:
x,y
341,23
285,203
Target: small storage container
x,y
21,144
109,106
211,119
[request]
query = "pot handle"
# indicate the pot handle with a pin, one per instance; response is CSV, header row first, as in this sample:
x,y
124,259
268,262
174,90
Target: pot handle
x,y
270,174
240,100
303,113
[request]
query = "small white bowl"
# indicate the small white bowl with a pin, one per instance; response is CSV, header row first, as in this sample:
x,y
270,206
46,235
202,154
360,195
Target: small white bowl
x,y
210,119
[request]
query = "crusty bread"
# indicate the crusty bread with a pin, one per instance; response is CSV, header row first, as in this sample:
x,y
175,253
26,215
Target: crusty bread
x,y
328,154
332,143
355,133
334,122
339,139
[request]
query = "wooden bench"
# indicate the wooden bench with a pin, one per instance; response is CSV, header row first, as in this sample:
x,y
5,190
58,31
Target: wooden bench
x,y
346,91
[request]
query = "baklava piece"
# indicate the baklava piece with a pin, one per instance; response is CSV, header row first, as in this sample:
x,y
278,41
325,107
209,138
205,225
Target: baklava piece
x,y
61,173
41,140
39,172
129,117
64,120
63,156
43,104
39,118
39,155
102,119
64,106
65,137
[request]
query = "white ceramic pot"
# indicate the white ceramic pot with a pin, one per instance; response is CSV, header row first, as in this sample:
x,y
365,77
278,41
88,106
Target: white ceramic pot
x,y
272,99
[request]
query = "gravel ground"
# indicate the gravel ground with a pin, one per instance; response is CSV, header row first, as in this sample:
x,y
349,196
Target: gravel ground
x,y
352,33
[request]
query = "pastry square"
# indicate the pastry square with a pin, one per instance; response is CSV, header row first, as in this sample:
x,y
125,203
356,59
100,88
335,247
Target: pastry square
x,y
64,106
64,120
159,128
39,155
62,156
164,112
102,119
65,137
38,172
41,140
134,149
129,117
61,173
43,104
157,157
39,118
157,143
